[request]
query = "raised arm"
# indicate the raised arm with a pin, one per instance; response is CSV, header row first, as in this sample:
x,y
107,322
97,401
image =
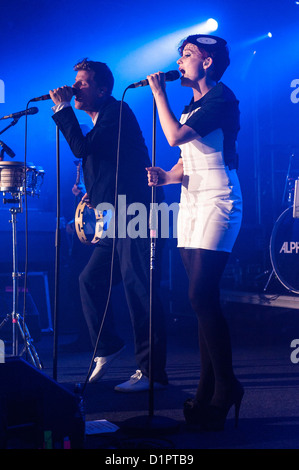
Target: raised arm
x,y
175,133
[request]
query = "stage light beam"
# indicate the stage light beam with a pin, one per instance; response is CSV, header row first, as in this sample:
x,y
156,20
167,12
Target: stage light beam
x,y
253,41
161,52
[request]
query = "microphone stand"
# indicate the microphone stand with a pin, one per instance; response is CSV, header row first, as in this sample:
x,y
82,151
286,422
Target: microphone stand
x,y
151,424
13,123
10,125
15,316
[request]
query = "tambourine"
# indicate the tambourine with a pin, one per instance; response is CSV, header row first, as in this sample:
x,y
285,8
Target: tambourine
x,y
89,224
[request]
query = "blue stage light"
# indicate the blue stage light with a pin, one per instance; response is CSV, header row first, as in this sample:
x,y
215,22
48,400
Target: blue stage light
x,y
212,25
160,52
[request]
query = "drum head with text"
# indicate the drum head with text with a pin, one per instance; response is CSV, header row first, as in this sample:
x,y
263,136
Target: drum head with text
x,y
284,250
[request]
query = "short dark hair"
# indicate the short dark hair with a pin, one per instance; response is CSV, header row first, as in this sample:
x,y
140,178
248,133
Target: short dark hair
x,y
210,46
102,74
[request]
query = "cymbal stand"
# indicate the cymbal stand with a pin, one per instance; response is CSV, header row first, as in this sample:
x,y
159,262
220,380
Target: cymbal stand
x,y
18,325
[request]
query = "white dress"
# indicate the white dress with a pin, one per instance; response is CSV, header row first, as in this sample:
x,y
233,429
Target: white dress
x,y
211,201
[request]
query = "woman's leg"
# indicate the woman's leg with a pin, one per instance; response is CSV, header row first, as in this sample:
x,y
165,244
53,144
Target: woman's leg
x,y
205,269
206,384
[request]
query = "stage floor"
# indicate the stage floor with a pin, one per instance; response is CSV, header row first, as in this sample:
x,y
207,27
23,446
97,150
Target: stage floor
x,y
269,415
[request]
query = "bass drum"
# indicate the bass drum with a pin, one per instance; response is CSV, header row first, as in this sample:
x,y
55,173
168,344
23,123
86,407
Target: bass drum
x,y
284,250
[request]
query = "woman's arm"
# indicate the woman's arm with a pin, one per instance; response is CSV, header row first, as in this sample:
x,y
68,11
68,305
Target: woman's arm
x,y
175,133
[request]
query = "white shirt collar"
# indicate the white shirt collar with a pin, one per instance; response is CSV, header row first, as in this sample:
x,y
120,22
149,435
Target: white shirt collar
x,y
95,119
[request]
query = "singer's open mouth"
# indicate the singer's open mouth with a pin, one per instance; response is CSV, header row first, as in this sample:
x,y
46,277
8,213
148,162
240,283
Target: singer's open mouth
x,y
182,71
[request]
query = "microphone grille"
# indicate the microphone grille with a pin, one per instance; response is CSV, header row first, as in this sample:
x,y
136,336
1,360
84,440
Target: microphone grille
x,y
172,75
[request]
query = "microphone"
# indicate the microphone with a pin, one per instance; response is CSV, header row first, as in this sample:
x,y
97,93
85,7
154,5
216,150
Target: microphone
x,y
21,113
7,149
48,97
169,77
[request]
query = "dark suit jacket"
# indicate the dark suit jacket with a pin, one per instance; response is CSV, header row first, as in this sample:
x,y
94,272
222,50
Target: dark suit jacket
x,y
98,150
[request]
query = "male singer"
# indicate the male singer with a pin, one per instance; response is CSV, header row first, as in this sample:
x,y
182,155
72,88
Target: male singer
x,y
98,151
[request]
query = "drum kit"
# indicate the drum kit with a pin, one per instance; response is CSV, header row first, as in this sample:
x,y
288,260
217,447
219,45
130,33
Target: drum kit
x,y
19,180
284,242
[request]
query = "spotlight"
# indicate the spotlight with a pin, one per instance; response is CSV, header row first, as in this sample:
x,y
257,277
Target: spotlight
x,y
255,40
212,25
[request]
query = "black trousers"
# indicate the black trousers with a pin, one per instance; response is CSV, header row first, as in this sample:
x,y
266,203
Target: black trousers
x,y
131,266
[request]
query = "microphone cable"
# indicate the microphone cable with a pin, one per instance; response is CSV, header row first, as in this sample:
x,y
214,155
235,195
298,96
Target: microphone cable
x,y
113,244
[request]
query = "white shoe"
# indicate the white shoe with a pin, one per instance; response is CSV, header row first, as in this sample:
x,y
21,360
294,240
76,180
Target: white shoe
x,y
138,383
102,365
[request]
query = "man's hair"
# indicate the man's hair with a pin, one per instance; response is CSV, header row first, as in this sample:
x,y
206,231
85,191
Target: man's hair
x,y
216,48
102,74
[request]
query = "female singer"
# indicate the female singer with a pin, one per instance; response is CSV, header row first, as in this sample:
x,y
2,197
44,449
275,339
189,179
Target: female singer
x,y
210,211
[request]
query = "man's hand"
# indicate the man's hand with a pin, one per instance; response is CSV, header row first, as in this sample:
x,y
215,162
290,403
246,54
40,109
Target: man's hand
x,y
77,189
61,95
85,199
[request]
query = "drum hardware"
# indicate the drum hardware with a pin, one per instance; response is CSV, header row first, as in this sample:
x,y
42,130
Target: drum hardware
x,y
296,200
19,180
283,244
269,279
14,177
284,251
14,180
288,186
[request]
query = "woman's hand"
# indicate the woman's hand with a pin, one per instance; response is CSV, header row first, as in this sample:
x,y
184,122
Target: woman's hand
x,y
157,82
156,176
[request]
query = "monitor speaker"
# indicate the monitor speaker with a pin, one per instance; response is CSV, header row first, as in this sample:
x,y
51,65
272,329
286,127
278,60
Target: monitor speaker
x,y
35,411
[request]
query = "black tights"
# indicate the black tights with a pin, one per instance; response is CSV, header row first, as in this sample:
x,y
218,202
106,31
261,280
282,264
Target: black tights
x,y
204,269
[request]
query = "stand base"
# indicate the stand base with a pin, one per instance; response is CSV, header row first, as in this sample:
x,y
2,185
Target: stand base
x,y
150,425
28,347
